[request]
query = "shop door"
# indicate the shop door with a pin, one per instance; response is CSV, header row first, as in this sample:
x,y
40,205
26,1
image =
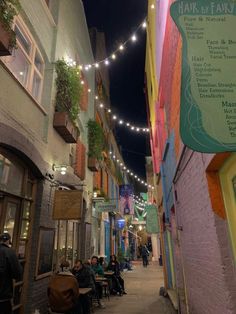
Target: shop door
x,y
10,212
228,185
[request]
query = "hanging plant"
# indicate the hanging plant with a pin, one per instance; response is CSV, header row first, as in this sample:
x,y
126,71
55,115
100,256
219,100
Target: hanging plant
x,y
8,10
69,89
96,140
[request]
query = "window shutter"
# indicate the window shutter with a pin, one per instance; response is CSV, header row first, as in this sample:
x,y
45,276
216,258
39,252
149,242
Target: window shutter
x,y
80,160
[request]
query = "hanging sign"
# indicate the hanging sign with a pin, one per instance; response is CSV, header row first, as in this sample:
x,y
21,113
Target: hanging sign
x,y
67,204
106,207
208,84
126,202
152,219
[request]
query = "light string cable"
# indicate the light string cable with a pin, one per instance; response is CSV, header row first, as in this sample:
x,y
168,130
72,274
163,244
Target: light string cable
x,y
132,174
113,56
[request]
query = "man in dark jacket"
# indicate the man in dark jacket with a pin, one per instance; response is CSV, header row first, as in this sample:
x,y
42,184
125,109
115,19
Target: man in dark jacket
x,y
10,269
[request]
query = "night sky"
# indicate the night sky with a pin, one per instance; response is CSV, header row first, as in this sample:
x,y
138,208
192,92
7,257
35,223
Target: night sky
x,y
118,19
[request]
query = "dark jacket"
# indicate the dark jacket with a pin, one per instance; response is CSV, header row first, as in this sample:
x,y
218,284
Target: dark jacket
x,y
144,251
114,266
84,277
10,269
63,292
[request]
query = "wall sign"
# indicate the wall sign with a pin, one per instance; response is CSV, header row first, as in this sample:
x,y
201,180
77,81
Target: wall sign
x,y
152,219
208,84
67,204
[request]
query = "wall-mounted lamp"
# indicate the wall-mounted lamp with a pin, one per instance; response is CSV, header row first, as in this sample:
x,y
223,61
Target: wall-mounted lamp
x,y
61,168
95,194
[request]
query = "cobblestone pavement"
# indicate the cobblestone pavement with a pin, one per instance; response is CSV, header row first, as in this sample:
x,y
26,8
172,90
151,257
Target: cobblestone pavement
x,y
142,286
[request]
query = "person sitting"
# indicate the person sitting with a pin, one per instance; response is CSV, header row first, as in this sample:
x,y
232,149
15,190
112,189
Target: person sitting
x,y
96,270
102,262
96,267
118,281
63,292
85,280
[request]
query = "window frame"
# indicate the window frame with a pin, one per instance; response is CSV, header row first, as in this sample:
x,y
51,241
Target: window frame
x,y
30,58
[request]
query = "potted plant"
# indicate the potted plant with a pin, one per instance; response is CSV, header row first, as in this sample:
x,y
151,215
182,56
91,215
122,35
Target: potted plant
x,y
95,143
8,10
67,101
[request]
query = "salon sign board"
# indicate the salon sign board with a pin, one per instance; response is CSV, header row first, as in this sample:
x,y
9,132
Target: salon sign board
x,y
208,83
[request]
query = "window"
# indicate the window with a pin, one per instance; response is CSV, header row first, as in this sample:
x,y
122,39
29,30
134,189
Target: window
x,y
26,63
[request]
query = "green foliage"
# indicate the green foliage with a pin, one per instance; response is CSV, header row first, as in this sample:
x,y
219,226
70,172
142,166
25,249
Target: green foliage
x,y
69,89
96,139
8,10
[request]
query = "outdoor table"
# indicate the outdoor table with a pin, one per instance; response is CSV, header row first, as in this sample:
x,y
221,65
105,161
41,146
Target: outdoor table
x,y
108,273
99,279
84,291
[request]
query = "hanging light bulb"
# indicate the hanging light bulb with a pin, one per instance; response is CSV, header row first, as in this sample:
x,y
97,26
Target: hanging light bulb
x,y
86,68
109,110
153,6
132,127
134,38
101,105
137,129
114,117
113,56
89,90
96,97
128,124
89,66
80,67
96,65
107,62
110,152
121,47
82,82
144,25
120,122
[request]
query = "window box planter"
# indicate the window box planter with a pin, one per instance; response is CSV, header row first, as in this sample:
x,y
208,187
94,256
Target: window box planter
x,y
65,127
5,39
93,164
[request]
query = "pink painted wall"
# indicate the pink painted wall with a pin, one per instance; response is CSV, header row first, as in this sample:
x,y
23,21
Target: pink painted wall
x,y
207,259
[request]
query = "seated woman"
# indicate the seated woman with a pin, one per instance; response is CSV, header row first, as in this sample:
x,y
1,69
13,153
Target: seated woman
x,y
118,281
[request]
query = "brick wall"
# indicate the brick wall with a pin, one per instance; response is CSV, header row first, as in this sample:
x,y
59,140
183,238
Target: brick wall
x,y
207,260
42,217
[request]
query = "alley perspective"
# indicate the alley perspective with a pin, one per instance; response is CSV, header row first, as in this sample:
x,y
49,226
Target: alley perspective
x,y
117,156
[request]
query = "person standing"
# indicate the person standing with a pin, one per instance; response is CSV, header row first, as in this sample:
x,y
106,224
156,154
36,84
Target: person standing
x,y
10,269
145,254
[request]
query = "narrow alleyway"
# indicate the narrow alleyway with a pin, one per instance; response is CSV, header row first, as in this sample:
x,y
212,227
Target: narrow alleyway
x,y
142,286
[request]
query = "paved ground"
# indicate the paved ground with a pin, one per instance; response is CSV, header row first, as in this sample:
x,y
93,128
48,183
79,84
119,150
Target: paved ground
x,y
142,286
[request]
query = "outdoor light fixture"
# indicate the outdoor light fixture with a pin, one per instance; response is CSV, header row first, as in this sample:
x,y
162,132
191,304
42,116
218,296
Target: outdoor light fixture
x,y
101,105
107,62
61,168
121,47
109,110
80,67
89,90
134,38
144,25
152,6
113,56
82,82
96,65
96,97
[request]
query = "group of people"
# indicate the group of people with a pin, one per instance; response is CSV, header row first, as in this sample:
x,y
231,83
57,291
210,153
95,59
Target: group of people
x,y
63,289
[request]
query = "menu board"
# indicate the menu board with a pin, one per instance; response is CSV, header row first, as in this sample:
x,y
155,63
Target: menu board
x,y
208,83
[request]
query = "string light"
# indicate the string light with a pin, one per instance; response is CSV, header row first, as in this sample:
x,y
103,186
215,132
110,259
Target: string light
x,y
128,171
153,6
122,46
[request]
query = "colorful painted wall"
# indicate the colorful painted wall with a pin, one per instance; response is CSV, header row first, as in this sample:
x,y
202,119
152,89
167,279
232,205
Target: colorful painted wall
x,y
198,250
